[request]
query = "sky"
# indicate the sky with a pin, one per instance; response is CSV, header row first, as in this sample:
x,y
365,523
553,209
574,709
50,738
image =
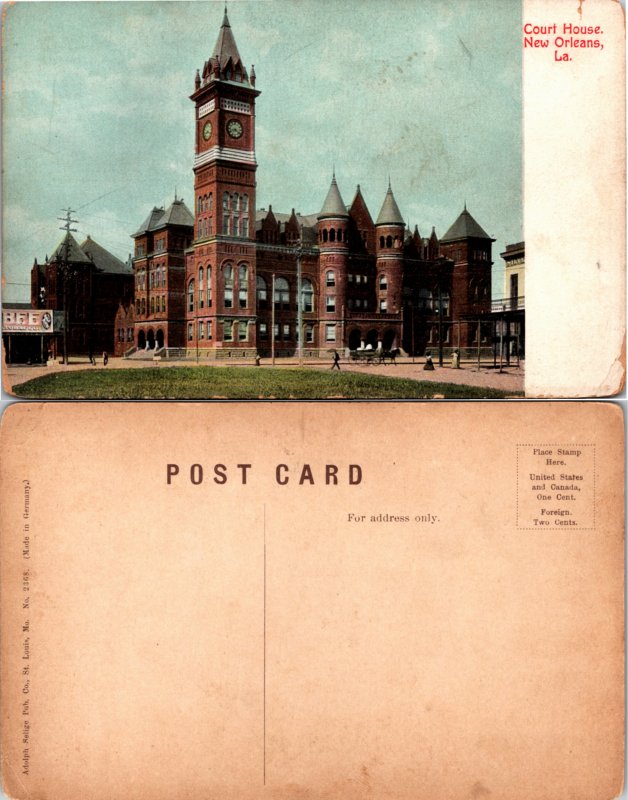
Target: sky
x,y
97,116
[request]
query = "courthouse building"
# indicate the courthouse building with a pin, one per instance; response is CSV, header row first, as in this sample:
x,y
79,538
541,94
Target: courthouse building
x,y
228,279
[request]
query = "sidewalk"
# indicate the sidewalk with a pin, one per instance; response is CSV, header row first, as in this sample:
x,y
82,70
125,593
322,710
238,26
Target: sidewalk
x,y
510,380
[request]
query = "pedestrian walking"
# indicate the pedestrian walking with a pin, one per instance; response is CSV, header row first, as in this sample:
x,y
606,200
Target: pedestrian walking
x,y
336,363
105,358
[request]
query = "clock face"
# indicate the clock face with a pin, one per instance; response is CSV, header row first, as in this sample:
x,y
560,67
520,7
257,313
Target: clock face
x,y
234,128
207,131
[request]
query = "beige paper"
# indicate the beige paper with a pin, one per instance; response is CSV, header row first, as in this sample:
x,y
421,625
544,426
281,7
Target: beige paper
x,y
575,198
444,622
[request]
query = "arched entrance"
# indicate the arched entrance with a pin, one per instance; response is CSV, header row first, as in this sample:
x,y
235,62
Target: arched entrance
x,y
141,340
160,338
372,338
150,338
355,337
389,339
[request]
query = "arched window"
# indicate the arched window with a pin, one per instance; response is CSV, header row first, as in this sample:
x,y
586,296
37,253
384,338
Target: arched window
x,y
444,302
137,307
152,305
307,295
191,295
382,242
225,213
235,209
339,234
244,224
332,235
383,282
262,292
243,286
201,294
143,305
330,278
324,234
210,202
199,204
209,286
227,274
389,241
282,293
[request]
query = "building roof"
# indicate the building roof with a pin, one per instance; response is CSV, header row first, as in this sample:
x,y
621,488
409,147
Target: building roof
x,y
226,47
177,213
307,222
334,205
390,214
103,260
465,227
150,223
74,253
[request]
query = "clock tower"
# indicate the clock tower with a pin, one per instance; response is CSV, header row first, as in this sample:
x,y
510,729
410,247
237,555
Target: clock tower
x,y
220,265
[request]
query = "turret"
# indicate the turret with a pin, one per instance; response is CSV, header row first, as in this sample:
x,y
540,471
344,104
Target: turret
x,y
389,238
333,228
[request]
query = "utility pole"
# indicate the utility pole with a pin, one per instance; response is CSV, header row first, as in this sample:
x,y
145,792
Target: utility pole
x,y
272,322
68,222
440,326
299,300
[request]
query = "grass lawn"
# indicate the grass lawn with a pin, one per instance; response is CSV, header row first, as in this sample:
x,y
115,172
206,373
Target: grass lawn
x,y
241,383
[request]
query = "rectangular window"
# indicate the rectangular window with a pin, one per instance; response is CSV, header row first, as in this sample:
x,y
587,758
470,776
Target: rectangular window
x,y
201,330
243,295
190,332
276,332
209,329
243,331
263,331
228,334
286,332
228,298
358,279
309,334
330,333
383,305
350,278
330,303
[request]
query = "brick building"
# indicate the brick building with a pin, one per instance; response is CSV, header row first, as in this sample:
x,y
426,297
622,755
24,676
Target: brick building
x,y
88,283
231,280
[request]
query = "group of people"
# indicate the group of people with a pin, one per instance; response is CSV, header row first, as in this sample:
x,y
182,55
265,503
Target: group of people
x,y
455,360
429,364
92,358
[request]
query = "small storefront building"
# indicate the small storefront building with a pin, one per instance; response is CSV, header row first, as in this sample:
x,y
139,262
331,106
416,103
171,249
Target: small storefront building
x,y
31,335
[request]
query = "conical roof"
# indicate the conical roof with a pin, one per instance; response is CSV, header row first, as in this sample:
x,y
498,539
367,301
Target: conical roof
x,y
390,214
465,227
334,205
226,47
74,253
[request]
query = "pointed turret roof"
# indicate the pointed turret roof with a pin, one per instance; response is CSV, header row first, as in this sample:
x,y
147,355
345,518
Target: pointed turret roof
x,y
334,205
390,214
75,254
226,47
465,227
